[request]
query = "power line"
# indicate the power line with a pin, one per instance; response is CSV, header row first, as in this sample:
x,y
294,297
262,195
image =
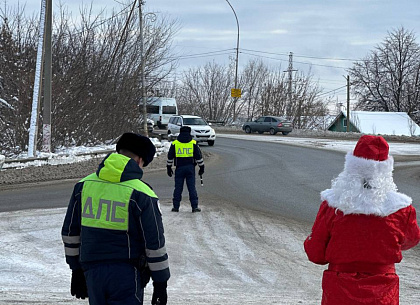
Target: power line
x,y
326,93
207,53
103,21
229,52
306,63
303,56
328,66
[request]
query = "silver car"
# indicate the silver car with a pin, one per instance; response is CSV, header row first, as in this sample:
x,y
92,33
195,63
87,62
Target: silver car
x,y
271,124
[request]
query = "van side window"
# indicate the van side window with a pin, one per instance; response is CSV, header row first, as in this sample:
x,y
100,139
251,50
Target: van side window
x,y
152,109
169,110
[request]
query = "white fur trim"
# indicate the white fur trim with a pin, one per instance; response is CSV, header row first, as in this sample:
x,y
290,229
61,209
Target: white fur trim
x,y
349,195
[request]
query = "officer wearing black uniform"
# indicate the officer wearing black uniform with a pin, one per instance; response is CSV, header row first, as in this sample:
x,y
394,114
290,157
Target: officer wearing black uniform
x,y
184,153
113,232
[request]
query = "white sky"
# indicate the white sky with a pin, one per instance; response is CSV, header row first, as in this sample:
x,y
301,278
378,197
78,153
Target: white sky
x,y
224,255
312,30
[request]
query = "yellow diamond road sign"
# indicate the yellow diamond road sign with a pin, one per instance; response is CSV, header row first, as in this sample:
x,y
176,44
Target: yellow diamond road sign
x,y
235,92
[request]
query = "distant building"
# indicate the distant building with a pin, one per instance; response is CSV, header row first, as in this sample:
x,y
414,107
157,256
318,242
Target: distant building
x,y
371,122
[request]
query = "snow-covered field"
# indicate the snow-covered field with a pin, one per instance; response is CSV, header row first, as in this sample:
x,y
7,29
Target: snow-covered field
x,y
224,255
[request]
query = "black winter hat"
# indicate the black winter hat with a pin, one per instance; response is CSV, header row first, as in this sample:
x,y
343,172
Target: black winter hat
x,y
137,144
185,129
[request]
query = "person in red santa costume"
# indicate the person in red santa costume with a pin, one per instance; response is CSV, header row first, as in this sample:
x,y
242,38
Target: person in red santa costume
x,y
361,228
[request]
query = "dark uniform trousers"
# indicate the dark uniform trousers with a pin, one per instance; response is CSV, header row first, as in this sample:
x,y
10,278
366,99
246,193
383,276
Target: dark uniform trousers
x,y
186,172
114,284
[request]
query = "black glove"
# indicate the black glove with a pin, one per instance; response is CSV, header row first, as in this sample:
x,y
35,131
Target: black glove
x,y
78,284
201,170
144,270
159,297
169,170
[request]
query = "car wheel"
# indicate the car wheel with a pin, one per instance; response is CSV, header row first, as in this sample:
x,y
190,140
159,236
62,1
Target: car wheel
x,y
248,129
260,132
285,133
272,131
169,136
211,143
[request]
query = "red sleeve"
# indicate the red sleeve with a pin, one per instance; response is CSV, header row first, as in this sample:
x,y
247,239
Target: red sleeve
x,y
412,232
316,243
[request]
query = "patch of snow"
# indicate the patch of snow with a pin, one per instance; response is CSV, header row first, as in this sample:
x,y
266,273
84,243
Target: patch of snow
x,y
6,103
2,158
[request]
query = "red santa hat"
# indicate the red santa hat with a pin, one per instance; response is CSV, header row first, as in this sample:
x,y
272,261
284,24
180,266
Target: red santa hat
x,y
370,158
371,148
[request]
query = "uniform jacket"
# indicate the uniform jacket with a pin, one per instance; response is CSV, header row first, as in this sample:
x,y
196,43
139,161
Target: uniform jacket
x,y
115,217
197,157
360,232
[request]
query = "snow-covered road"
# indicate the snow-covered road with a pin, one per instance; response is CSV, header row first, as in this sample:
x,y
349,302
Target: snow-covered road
x,y
224,255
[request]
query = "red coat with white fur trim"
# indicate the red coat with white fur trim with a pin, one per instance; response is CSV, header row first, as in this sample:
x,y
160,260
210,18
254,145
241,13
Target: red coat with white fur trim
x,y
362,239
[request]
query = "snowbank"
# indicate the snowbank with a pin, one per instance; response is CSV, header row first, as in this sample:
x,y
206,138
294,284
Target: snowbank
x,y
2,158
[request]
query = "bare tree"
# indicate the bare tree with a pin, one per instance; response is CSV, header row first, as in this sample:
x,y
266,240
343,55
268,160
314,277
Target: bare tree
x,y
388,78
96,73
17,66
253,77
306,101
205,91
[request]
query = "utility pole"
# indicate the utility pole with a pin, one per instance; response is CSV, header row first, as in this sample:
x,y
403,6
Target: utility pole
x,y
46,128
143,79
348,103
289,92
33,129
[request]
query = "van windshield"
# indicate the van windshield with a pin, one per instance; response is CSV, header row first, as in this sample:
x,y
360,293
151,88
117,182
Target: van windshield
x,y
194,121
169,110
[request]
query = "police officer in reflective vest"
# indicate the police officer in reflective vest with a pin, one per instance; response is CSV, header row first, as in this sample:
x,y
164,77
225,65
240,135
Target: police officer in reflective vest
x,y
113,232
184,153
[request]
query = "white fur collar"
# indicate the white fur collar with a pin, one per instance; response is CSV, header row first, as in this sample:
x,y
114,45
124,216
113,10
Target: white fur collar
x,y
366,187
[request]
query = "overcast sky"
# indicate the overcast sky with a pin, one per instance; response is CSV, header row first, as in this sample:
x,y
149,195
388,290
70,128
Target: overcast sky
x,y
316,31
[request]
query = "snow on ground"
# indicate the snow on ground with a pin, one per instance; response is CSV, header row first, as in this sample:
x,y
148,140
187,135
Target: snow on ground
x,y
395,148
224,255
65,155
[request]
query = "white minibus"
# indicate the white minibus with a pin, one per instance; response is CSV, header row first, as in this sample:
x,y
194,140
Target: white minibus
x,y
160,109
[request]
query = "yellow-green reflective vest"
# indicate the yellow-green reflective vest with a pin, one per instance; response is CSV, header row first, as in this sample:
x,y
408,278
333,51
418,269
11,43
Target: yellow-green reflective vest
x,y
184,150
105,204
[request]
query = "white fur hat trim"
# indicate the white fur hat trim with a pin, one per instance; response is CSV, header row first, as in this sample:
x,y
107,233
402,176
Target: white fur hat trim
x,y
366,187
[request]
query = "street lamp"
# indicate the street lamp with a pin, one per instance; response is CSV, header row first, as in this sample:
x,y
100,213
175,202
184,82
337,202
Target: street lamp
x,y
236,67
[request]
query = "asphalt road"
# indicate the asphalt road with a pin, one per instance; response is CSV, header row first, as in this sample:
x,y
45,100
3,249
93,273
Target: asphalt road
x,y
284,179
269,177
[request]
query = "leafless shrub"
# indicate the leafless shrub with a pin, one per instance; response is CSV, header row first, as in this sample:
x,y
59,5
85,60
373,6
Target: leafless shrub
x,y
96,73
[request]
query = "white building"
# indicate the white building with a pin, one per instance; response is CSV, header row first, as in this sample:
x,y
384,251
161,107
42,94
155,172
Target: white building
x,y
371,122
